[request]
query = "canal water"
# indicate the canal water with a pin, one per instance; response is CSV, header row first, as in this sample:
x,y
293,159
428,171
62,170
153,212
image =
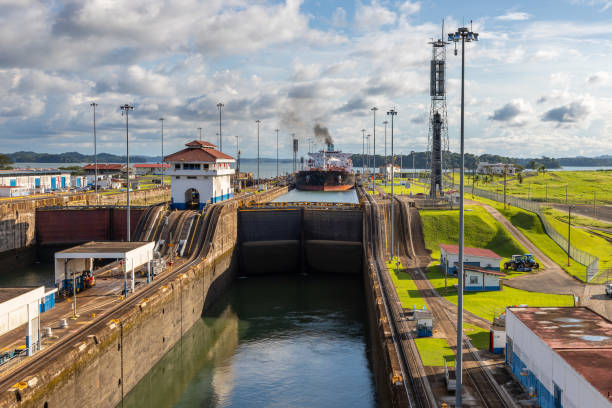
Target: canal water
x,y
272,341
296,195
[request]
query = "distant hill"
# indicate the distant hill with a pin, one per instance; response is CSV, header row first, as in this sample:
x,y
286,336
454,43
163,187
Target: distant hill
x,y
74,157
420,159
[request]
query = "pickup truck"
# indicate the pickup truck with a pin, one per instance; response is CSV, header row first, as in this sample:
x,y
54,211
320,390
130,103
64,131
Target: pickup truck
x,y
609,289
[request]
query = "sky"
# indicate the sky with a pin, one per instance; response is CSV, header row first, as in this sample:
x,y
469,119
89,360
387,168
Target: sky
x,y
537,83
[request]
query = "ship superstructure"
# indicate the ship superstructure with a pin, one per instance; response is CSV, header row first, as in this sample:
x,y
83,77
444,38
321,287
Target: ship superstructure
x,y
327,170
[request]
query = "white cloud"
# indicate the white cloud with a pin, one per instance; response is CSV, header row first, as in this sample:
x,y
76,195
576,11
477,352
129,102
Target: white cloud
x,y
514,16
339,17
410,7
372,17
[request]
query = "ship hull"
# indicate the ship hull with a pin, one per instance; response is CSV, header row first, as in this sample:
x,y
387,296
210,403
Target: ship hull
x,y
319,180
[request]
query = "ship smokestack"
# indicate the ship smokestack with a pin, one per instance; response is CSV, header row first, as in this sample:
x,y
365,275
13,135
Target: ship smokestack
x,y
322,135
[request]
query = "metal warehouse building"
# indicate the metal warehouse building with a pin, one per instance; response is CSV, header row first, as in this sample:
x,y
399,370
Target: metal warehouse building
x,y
562,355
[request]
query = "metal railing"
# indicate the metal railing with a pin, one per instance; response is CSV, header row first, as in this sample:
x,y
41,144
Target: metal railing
x,y
591,262
303,204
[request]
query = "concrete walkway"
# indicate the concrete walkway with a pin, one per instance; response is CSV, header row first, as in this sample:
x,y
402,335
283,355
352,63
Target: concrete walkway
x,y
552,279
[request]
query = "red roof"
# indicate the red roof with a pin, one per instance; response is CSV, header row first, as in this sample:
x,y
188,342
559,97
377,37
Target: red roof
x,y
579,335
104,166
200,143
482,270
454,249
198,151
11,187
150,165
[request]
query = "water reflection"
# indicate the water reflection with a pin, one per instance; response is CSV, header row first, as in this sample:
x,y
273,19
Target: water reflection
x,y
278,341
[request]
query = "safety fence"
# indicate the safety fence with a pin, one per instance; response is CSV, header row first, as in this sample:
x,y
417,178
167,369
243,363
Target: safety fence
x,y
591,262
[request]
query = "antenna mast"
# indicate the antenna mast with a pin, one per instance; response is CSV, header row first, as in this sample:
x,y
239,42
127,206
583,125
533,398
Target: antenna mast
x,y
438,124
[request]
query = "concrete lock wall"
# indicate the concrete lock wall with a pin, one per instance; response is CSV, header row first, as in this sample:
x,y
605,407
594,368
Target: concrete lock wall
x,y
107,363
18,217
285,240
72,226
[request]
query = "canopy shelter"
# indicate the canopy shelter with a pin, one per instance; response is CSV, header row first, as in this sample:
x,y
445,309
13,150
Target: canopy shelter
x,y
71,262
22,305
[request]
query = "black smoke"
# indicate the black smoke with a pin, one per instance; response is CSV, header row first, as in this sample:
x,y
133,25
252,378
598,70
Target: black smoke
x,y
322,134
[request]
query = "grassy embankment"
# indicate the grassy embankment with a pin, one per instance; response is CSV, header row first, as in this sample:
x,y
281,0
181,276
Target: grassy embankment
x,y
531,226
399,189
433,351
481,231
581,186
581,238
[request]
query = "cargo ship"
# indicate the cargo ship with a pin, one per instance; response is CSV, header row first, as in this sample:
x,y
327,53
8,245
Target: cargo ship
x,y
327,170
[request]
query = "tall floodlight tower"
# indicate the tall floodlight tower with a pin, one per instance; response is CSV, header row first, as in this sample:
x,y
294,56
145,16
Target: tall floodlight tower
x,y
438,124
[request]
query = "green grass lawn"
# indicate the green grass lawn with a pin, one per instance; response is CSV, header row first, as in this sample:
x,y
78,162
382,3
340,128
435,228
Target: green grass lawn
x,y
531,226
578,219
481,231
580,186
584,240
491,304
405,287
435,351
478,336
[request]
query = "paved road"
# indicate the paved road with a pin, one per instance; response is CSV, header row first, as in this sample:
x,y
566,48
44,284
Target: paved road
x,y
552,279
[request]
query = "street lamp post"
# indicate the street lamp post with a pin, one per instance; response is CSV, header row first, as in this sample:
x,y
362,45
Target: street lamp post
x,y
413,168
392,113
126,109
462,35
363,152
374,109
93,104
369,167
162,151
220,105
385,172
258,122
237,166
276,152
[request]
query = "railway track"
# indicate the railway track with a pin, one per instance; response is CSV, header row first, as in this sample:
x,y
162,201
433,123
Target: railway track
x,y
414,377
42,358
490,393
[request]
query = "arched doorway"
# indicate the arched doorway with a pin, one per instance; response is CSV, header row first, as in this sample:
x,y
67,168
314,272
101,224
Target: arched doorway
x,y
192,199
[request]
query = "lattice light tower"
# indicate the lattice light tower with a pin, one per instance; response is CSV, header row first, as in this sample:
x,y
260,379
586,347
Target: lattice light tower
x,y
438,125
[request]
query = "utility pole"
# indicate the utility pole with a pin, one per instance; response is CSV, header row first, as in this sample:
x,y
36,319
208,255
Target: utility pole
x,y
392,113
276,152
374,109
505,173
93,104
385,172
363,152
462,34
237,164
569,233
126,109
162,150
220,105
200,129
258,122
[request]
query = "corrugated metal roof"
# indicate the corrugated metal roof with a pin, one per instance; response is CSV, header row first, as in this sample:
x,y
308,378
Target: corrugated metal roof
x,y
482,270
104,166
484,252
580,336
198,151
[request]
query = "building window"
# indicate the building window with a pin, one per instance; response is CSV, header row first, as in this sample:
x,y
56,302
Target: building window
x,y
206,167
192,177
191,166
473,280
558,396
177,166
177,177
